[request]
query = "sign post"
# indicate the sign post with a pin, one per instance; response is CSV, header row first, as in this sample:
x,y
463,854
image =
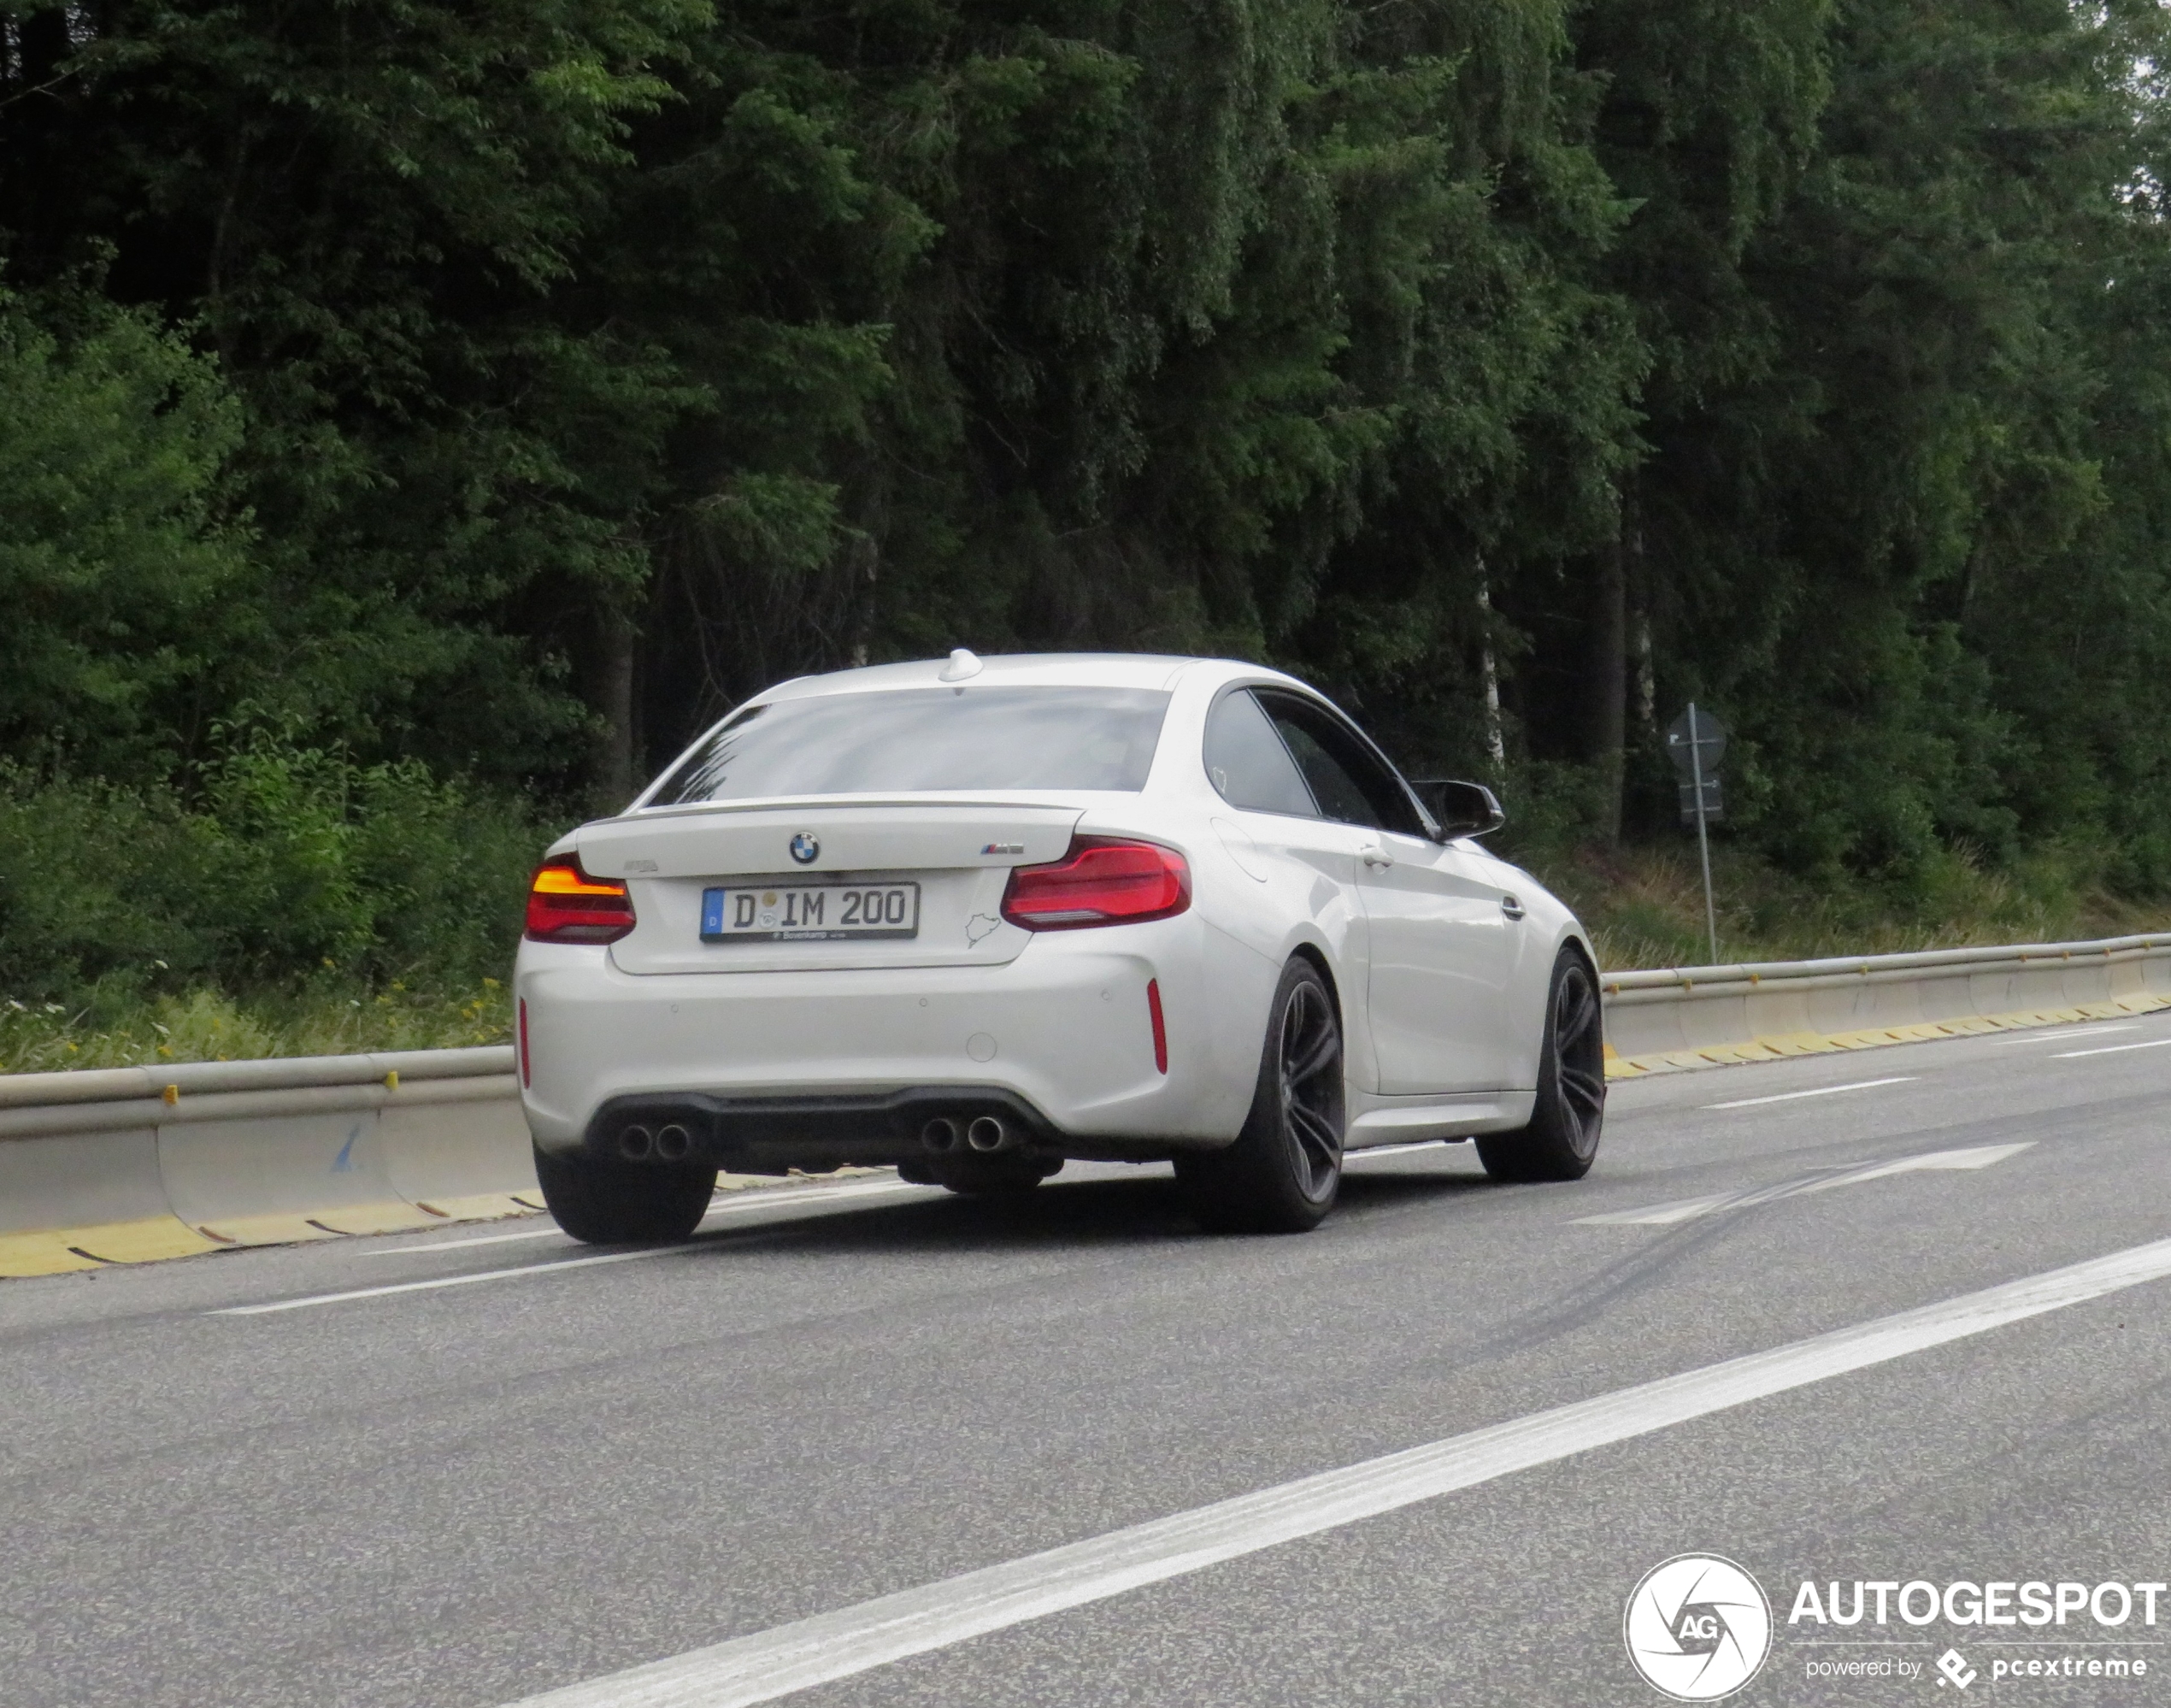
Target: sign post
x,y
1696,741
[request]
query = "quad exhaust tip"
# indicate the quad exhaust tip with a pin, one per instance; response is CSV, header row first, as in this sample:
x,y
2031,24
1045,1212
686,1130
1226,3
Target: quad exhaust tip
x,y
988,1134
673,1143
940,1135
636,1142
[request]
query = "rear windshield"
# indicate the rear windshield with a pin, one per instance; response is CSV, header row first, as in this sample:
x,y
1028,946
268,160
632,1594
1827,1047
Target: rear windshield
x,y
913,740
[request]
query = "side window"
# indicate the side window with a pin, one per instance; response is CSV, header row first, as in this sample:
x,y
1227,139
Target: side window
x,y
1348,778
1247,764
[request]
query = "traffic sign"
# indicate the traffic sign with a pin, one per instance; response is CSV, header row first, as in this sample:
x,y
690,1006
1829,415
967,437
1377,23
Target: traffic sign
x,y
1696,741
1714,800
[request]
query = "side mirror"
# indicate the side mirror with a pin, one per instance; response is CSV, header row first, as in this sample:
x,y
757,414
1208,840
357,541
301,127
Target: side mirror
x,y
1461,808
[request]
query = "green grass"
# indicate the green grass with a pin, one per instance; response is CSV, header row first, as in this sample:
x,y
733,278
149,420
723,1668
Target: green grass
x,y
1645,906
206,1025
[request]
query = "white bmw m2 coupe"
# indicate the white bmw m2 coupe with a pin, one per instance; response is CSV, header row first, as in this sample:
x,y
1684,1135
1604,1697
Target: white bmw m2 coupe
x,y
974,918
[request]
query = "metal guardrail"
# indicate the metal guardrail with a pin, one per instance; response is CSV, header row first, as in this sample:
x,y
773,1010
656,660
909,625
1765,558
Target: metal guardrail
x,y
90,1100
125,1164
2016,957
1783,1006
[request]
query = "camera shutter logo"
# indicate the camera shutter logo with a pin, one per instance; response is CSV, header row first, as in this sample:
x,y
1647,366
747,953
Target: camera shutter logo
x,y
806,848
1698,1628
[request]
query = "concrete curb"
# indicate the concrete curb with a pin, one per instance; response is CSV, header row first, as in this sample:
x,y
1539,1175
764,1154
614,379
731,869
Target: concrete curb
x,y
101,1172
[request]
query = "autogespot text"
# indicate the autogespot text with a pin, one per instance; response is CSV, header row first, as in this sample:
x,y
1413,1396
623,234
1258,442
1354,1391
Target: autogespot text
x,y
1920,1602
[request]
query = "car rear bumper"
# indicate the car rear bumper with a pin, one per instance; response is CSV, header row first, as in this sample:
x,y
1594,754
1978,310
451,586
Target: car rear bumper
x,y
774,1069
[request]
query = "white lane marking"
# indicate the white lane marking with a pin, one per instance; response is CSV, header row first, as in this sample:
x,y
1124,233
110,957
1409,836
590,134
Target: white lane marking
x,y
1972,1157
553,1231
2111,1049
1687,1208
759,1200
1821,1091
469,1280
2063,1034
767,1664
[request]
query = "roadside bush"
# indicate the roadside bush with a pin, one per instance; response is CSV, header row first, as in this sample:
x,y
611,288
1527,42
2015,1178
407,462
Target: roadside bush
x,y
284,868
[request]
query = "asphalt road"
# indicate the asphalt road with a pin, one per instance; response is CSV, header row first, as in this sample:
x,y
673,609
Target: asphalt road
x,y
463,1495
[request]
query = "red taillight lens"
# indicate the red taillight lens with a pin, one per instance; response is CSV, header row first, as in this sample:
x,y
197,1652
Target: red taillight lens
x,y
1102,880
566,905
1153,1013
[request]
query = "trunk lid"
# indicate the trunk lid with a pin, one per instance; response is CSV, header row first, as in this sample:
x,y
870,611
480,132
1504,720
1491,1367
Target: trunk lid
x,y
959,853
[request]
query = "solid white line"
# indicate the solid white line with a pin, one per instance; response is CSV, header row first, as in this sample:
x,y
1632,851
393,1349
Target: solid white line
x,y
768,1199
767,1664
1821,1091
2111,1049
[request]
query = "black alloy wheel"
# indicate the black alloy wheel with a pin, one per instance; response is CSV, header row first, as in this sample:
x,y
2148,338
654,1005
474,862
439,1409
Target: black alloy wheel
x,y
1282,1173
1562,1140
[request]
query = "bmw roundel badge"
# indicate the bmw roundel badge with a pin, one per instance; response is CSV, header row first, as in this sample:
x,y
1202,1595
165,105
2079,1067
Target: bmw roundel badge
x,y
806,848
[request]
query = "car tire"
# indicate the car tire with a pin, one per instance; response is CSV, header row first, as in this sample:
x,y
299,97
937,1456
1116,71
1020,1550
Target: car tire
x,y
1281,1174
618,1203
1561,1141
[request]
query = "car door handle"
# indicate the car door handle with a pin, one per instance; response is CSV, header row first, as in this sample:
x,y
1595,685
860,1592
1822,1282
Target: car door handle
x,y
1376,856
1511,907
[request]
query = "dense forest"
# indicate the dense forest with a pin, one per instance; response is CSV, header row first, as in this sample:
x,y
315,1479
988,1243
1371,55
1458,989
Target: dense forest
x,y
417,419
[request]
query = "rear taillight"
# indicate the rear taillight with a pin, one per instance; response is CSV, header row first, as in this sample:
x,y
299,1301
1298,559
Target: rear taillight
x,y
1102,880
566,905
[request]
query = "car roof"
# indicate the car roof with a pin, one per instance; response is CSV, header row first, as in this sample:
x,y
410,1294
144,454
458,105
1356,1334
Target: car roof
x,y
1020,670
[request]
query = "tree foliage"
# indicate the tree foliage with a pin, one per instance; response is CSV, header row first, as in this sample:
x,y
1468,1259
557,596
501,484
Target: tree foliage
x,y
509,387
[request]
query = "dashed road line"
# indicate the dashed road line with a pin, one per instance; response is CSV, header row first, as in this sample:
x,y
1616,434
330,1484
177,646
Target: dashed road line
x,y
2112,1049
272,1307
1688,1209
471,1279
2063,1034
1820,1091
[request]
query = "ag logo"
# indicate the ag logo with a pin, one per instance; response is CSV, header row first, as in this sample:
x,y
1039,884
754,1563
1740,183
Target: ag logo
x,y
1698,1628
805,849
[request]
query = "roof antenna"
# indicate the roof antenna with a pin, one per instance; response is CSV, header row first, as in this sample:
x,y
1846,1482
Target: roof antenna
x,y
961,664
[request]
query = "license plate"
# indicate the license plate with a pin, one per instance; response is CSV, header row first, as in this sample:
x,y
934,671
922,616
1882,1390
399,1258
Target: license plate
x,y
809,913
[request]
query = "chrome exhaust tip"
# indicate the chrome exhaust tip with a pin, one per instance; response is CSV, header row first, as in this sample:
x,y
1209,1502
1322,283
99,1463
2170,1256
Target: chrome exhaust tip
x,y
673,1143
940,1135
988,1134
636,1142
